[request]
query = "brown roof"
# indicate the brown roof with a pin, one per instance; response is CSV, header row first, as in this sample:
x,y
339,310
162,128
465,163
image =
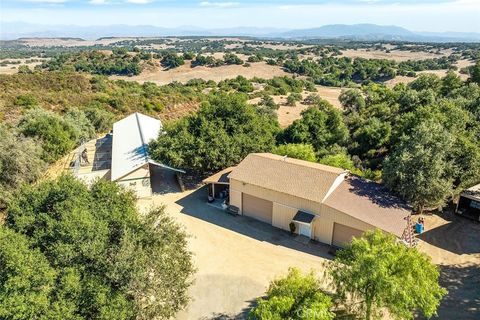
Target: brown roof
x,y
303,179
370,202
219,177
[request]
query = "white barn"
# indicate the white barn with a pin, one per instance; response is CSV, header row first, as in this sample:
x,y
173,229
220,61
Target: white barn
x,y
129,162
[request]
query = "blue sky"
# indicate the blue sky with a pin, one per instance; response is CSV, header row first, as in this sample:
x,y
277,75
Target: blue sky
x,y
419,15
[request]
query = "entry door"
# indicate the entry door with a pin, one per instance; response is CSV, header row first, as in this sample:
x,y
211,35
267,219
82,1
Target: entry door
x,y
304,230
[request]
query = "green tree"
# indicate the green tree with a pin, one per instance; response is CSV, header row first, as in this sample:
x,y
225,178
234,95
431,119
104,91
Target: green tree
x,y
27,280
109,261
57,135
293,98
321,126
296,151
450,83
220,134
231,58
20,163
352,100
418,169
475,73
376,271
172,60
296,296
339,160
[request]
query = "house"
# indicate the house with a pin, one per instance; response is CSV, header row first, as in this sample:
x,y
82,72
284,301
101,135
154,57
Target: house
x,y
324,203
123,156
469,203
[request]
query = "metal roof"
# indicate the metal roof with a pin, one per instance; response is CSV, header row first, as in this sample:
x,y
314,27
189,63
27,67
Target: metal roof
x,y
131,136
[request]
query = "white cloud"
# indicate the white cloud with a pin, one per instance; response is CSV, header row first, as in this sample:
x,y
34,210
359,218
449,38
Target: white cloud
x,y
219,4
98,2
139,1
47,1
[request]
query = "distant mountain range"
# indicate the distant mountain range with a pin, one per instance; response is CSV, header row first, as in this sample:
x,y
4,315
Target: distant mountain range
x,y
365,32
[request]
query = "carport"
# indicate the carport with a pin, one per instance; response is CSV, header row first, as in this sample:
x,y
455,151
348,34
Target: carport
x,y
218,184
469,203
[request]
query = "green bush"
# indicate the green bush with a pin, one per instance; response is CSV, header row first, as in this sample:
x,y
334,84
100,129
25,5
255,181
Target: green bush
x,y
57,135
87,253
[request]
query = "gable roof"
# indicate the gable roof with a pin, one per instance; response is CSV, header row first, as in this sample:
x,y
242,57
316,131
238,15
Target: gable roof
x,y
303,179
131,136
370,202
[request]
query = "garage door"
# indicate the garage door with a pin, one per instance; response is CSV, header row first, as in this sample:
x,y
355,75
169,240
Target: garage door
x,y
343,234
257,208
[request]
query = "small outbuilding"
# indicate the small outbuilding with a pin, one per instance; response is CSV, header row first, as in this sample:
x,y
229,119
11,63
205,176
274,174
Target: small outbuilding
x,y
469,203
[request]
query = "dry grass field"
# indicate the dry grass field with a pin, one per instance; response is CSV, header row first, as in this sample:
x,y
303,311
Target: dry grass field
x,y
13,68
392,55
287,114
186,72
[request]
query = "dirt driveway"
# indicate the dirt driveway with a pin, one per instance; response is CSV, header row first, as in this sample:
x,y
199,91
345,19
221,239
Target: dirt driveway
x,y
453,243
236,257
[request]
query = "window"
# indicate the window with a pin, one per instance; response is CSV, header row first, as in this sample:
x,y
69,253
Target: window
x,y
475,204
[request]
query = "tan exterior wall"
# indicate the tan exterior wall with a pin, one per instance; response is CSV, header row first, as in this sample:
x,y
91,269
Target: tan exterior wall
x,y
236,199
278,197
286,206
138,181
282,216
323,225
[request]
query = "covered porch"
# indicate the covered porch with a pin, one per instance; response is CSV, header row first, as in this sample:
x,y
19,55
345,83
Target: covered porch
x,y
303,223
218,187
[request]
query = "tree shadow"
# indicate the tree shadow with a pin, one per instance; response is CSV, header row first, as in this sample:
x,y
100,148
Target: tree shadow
x,y
375,192
459,236
463,298
195,205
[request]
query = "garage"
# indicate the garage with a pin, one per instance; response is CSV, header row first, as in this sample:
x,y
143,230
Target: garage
x,y
257,208
343,234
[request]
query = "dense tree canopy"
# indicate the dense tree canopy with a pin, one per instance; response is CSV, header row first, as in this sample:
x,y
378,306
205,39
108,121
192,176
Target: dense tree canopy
x,y
20,162
57,135
86,253
376,271
297,151
220,134
321,126
296,296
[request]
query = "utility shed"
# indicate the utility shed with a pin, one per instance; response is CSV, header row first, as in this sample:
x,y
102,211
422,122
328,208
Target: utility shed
x,y
130,160
322,202
469,203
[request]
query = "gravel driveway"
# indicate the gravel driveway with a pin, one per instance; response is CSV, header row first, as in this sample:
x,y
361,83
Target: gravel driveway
x,y
236,257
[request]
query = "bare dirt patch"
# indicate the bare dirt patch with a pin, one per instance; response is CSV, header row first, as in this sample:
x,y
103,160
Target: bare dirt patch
x,y
453,243
392,55
13,68
186,72
288,114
